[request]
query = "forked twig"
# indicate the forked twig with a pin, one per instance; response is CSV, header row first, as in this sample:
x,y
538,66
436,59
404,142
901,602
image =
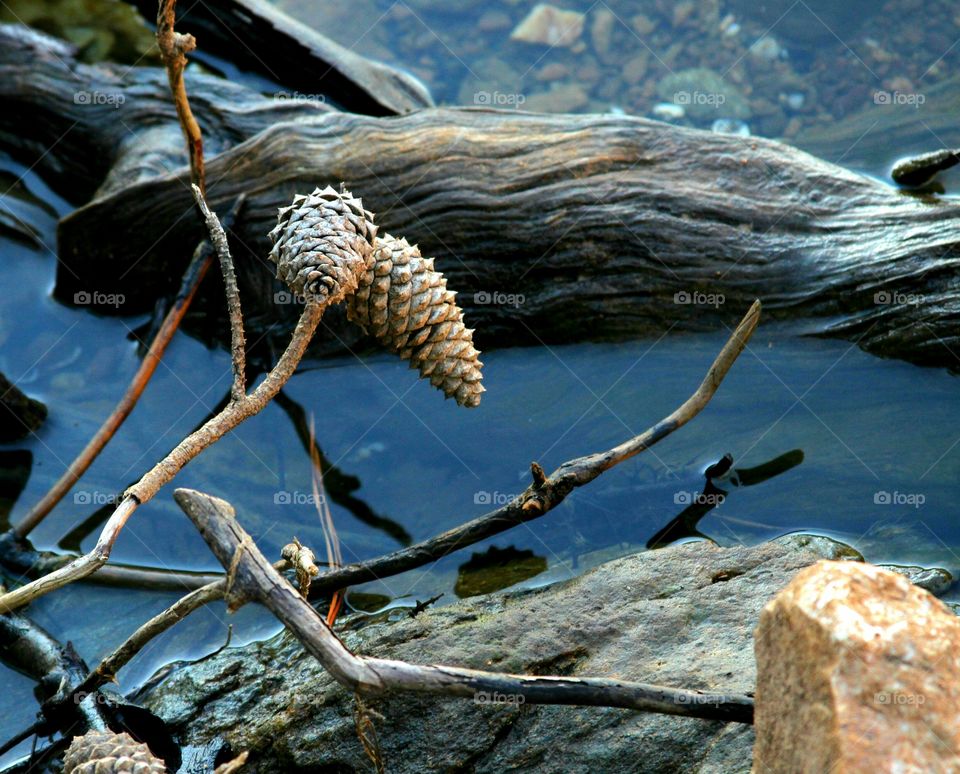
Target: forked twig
x,y
173,47
543,491
237,410
256,578
173,50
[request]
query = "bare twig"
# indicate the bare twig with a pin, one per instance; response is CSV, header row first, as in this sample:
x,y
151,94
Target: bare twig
x,y
107,669
173,49
192,278
256,578
546,492
237,340
79,568
235,412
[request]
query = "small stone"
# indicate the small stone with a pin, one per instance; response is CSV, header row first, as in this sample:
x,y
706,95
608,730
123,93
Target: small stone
x,y
793,127
795,100
552,72
563,98
857,671
668,111
492,21
682,12
635,68
550,26
642,24
601,31
936,580
704,94
730,126
768,49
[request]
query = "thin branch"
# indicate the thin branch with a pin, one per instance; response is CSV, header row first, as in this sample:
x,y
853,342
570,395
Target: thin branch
x,y
546,492
108,668
192,277
173,49
257,579
237,339
210,432
428,551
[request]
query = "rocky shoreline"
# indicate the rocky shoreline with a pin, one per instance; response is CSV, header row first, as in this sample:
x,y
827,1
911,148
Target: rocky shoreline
x,y
682,615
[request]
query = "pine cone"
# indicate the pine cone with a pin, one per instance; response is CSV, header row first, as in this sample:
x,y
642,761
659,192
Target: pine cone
x,y
404,302
104,752
322,244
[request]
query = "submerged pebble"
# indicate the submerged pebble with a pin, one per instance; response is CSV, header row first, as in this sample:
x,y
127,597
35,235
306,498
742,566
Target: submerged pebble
x,y
730,126
768,48
667,111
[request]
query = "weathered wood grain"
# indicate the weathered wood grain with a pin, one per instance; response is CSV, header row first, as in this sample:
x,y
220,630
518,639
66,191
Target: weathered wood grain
x,y
595,222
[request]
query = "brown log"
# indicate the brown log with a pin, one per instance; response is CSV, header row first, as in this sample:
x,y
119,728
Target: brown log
x,y
596,221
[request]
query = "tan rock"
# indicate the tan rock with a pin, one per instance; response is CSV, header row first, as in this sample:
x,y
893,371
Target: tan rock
x,y
858,670
682,12
635,68
563,98
642,24
601,31
492,21
551,26
554,71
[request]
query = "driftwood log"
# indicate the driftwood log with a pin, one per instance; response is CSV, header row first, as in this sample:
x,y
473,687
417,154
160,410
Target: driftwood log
x,y
587,226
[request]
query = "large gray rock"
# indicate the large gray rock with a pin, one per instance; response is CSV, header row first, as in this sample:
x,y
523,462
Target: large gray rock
x,y
681,616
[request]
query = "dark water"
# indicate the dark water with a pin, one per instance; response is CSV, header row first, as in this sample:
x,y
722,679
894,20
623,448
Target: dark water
x,y
879,440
